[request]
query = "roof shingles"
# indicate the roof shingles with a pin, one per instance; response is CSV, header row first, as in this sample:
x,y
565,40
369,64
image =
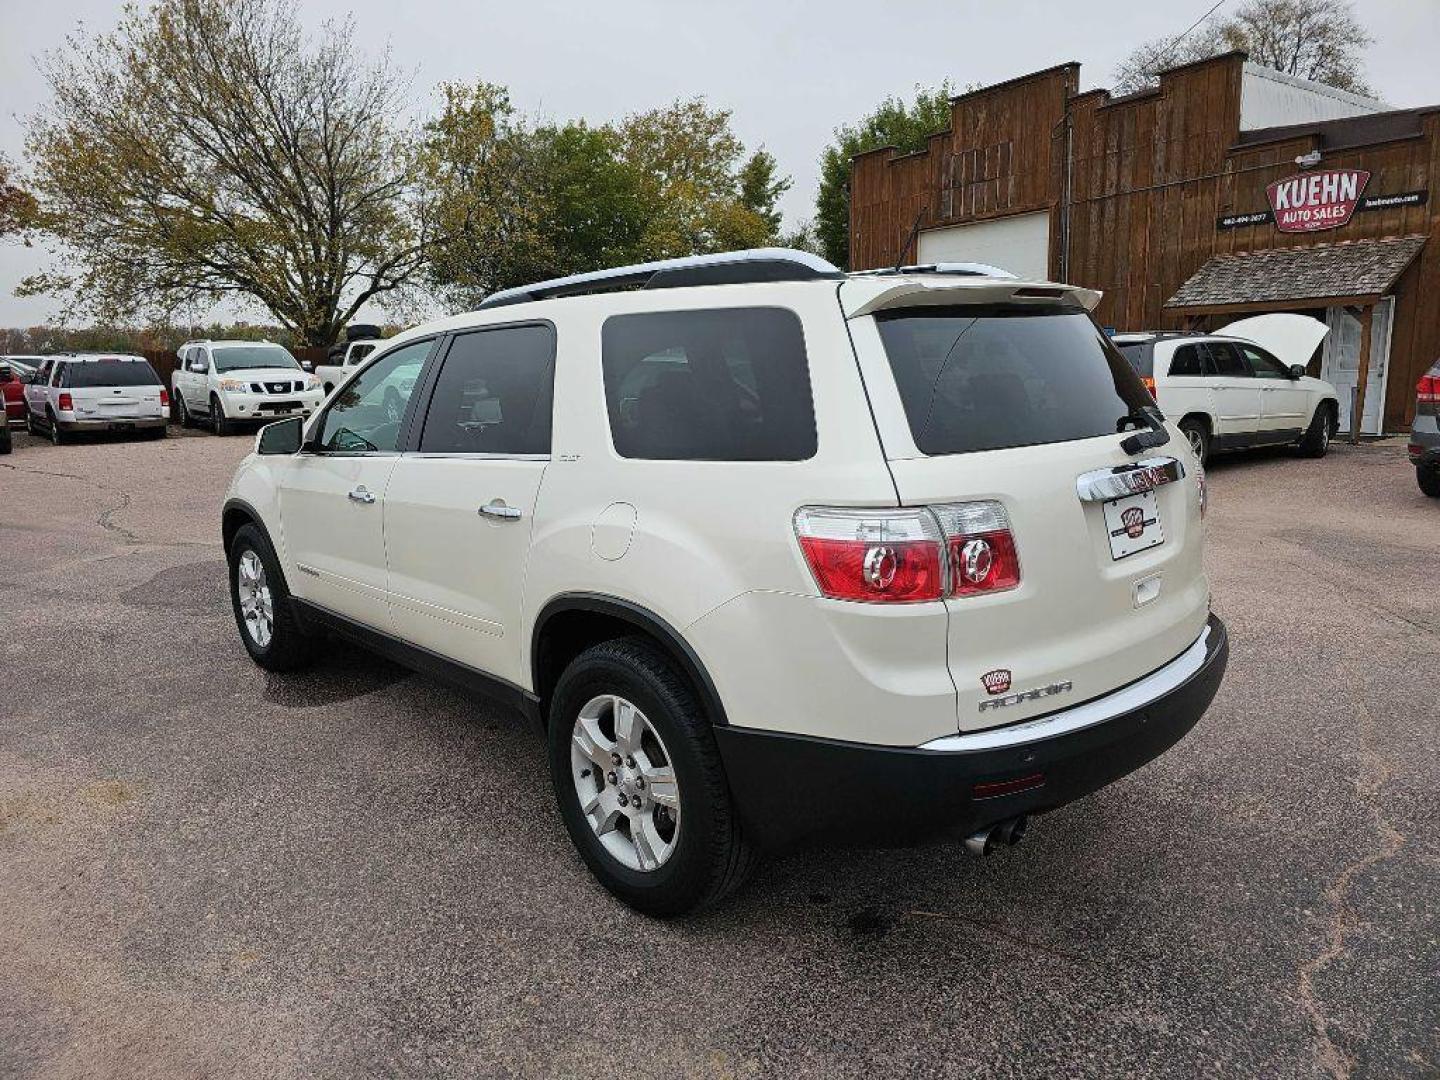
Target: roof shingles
x,y
1281,275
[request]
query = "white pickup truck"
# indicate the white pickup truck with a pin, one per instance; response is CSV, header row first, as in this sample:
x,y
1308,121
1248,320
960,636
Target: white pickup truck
x,y
332,375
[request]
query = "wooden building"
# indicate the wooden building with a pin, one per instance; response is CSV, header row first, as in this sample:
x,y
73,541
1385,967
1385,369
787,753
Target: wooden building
x,y
1227,190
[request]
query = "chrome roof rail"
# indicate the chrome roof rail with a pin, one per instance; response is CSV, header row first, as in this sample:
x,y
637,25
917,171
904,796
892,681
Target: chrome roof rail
x,y
724,268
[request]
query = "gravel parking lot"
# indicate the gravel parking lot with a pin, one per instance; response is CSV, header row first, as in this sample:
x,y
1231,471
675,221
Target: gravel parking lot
x,y
208,871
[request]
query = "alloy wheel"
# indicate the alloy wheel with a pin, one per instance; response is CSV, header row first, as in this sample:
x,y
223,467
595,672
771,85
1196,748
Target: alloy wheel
x,y
256,606
625,780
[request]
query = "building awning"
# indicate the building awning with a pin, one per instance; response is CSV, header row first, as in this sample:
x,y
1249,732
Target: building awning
x,y
1323,275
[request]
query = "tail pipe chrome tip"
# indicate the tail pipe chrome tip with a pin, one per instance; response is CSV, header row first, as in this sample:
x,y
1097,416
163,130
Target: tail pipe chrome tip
x,y
1009,832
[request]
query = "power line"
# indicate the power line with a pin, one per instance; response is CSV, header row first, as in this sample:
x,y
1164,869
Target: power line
x,y
1175,45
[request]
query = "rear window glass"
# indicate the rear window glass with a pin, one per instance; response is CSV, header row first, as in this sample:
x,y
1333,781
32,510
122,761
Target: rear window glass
x,y
728,384
109,373
1141,355
987,378
239,357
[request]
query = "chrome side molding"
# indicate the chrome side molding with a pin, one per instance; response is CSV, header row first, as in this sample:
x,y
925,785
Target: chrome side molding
x,y
1102,485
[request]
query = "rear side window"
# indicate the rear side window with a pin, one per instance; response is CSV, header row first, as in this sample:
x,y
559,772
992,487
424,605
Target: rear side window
x,y
109,373
494,394
1227,361
987,378
727,384
1187,361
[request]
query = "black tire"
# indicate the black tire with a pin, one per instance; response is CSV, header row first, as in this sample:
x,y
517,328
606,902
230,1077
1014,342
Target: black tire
x,y
711,857
30,422
1316,440
57,436
182,414
218,423
1428,477
289,647
155,433
1198,434
6,442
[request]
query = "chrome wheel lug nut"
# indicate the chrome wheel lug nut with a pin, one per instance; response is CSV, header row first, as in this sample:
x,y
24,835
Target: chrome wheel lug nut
x,y
629,762
623,800
610,778
639,781
614,759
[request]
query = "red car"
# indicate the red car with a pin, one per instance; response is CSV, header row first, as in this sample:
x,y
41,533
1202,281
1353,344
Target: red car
x,y
13,391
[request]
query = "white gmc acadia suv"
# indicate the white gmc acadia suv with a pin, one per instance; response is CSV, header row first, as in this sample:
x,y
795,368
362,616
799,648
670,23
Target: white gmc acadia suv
x,y
774,554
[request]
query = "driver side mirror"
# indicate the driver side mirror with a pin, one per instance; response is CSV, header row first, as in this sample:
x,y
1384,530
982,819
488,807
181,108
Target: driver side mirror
x,y
281,437
1297,371
307,365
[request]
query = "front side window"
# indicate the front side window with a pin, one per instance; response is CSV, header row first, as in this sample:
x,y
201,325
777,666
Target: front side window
x,y
494,394
988,378
1263,364
366,414
727,384
241,357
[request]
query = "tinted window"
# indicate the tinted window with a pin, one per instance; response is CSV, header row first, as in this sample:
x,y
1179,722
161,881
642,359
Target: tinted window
x,y
236,357
984,378
1263,364
366,415
729,384
1187,361
1227,361
493,395
109,373
359,352
1141,355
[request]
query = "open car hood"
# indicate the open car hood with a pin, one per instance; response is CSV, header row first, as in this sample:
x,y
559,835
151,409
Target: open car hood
x,y
1292,338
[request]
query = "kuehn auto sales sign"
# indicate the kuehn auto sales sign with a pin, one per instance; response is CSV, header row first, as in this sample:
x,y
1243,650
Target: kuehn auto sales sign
x,y
1319,200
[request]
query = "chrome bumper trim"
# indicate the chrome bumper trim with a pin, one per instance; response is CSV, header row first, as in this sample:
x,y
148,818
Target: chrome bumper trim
x,y
1102,485
1135,696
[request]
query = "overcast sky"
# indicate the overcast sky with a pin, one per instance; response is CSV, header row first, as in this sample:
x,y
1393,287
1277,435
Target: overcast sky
x,y
789,71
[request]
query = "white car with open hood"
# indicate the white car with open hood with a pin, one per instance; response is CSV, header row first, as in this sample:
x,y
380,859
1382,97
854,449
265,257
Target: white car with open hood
x,y
772,554
1241,387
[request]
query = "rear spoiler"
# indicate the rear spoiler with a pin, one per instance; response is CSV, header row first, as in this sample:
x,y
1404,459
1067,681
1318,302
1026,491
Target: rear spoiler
x,y
866,296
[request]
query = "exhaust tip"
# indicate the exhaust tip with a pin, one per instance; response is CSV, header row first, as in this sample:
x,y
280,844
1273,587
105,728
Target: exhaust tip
x,y
980,843
1013,831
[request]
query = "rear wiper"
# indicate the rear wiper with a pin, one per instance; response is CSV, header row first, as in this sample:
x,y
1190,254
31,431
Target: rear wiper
x,y
1152,420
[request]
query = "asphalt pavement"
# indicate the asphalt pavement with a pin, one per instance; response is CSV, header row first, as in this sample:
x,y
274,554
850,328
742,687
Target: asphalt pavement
x,y
210,871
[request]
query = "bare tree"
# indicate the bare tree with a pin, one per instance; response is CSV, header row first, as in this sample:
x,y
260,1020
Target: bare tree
x,y
1314,39
209,148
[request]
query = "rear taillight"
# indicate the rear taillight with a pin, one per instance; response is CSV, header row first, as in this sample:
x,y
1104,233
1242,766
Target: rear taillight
x,y
1428,390
164,396
67,403
883,556
981,548
1149,385
909,555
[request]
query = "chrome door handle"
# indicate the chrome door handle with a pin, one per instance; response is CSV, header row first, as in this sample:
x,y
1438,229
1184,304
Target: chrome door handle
x,y
361,495
498,509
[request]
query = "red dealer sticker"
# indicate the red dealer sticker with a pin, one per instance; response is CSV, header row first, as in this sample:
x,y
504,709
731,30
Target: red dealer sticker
x,y
1318,200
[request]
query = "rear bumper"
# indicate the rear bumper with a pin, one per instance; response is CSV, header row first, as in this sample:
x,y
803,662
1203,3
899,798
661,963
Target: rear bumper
x,y
793,790
1424,445
117,423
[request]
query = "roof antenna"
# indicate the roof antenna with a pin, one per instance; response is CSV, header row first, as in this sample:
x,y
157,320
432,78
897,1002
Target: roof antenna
x,y
914,232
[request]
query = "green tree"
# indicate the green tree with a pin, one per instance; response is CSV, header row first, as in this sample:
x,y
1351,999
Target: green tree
x,y
1320,40
209,149
761,188
17,206
894,122
688,162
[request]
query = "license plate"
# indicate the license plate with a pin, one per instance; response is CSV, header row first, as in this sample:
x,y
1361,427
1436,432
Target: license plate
x,y
1133,524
